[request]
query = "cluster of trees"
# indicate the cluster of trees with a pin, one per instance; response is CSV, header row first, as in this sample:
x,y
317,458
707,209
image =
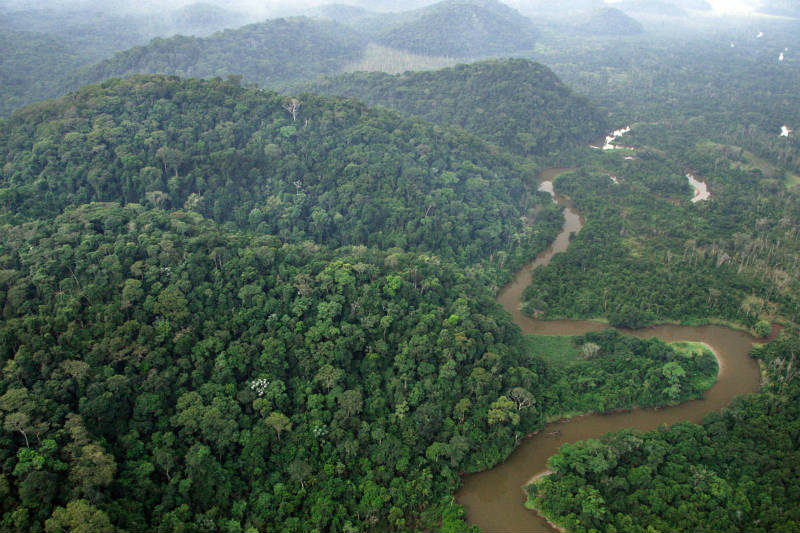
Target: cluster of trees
x,y
334,171
689,85
160,371
737,471
616,371
515,103
31,69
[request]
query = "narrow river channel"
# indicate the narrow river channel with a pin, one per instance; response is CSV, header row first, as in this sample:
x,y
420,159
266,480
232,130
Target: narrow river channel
x,y
494,499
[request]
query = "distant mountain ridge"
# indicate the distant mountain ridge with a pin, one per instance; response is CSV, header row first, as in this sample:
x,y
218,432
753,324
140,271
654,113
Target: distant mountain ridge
x,y
611,21
267,53
462,28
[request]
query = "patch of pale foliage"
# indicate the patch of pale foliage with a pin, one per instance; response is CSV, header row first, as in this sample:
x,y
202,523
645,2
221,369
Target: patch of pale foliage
x,y
378,58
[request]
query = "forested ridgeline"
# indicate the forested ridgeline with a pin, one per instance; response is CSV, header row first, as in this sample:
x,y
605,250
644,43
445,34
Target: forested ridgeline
x,y
459,28
737,471
162,372
515,103
309,167
267,53
90,47
647,254
43,46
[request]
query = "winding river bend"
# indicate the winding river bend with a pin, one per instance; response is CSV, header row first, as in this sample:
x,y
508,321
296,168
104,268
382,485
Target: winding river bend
x,y
494,499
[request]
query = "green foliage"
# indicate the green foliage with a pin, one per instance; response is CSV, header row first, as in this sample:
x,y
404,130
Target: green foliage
x,y
178,374
32,65
737,471
615,371
268,53
462,28
515,103
334,171
642,258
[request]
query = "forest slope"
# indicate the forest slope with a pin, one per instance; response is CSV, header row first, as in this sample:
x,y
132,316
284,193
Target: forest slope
x,y
267,53
462,28
515,103
337,171
160,371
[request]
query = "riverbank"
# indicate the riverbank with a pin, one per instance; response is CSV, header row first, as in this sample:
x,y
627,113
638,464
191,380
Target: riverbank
x,y
555,526
492,498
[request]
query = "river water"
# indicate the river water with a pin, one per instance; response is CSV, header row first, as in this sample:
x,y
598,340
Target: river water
x,y
494,499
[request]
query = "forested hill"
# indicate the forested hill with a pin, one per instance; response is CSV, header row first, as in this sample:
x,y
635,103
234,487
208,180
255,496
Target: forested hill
x,y
611,21
462,28
161,372
515,103
267,53
334,170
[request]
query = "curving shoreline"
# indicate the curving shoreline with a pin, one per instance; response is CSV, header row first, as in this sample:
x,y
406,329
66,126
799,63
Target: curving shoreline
x,y
493,498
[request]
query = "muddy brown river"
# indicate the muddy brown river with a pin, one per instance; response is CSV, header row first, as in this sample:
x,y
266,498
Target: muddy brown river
x,y
494,499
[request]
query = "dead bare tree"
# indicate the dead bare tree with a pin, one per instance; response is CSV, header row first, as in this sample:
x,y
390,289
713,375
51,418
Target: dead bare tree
x,y
292,106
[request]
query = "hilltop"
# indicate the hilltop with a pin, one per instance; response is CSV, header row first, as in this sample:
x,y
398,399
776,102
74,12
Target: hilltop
x,y
515,103
331,170
611,21
225,308
461,28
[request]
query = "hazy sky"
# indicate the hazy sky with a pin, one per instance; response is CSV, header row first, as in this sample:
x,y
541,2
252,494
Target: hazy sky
x,y
266,6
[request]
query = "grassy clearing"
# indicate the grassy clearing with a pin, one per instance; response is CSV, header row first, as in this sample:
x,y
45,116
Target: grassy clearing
x,y
768,169
695,349
558,350
391,61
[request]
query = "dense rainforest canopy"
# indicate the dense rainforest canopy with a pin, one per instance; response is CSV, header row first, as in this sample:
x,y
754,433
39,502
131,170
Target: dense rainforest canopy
x,y
737,471
335,171
516,103
461,28
223,308
176,374
277,50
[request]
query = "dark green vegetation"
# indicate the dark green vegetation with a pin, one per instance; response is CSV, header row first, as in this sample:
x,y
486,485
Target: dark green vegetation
x,y
185,356
515,103
279,316
176,374
647,254
611,21
612,371
462,28
690,89
737,471
335,171
267,53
